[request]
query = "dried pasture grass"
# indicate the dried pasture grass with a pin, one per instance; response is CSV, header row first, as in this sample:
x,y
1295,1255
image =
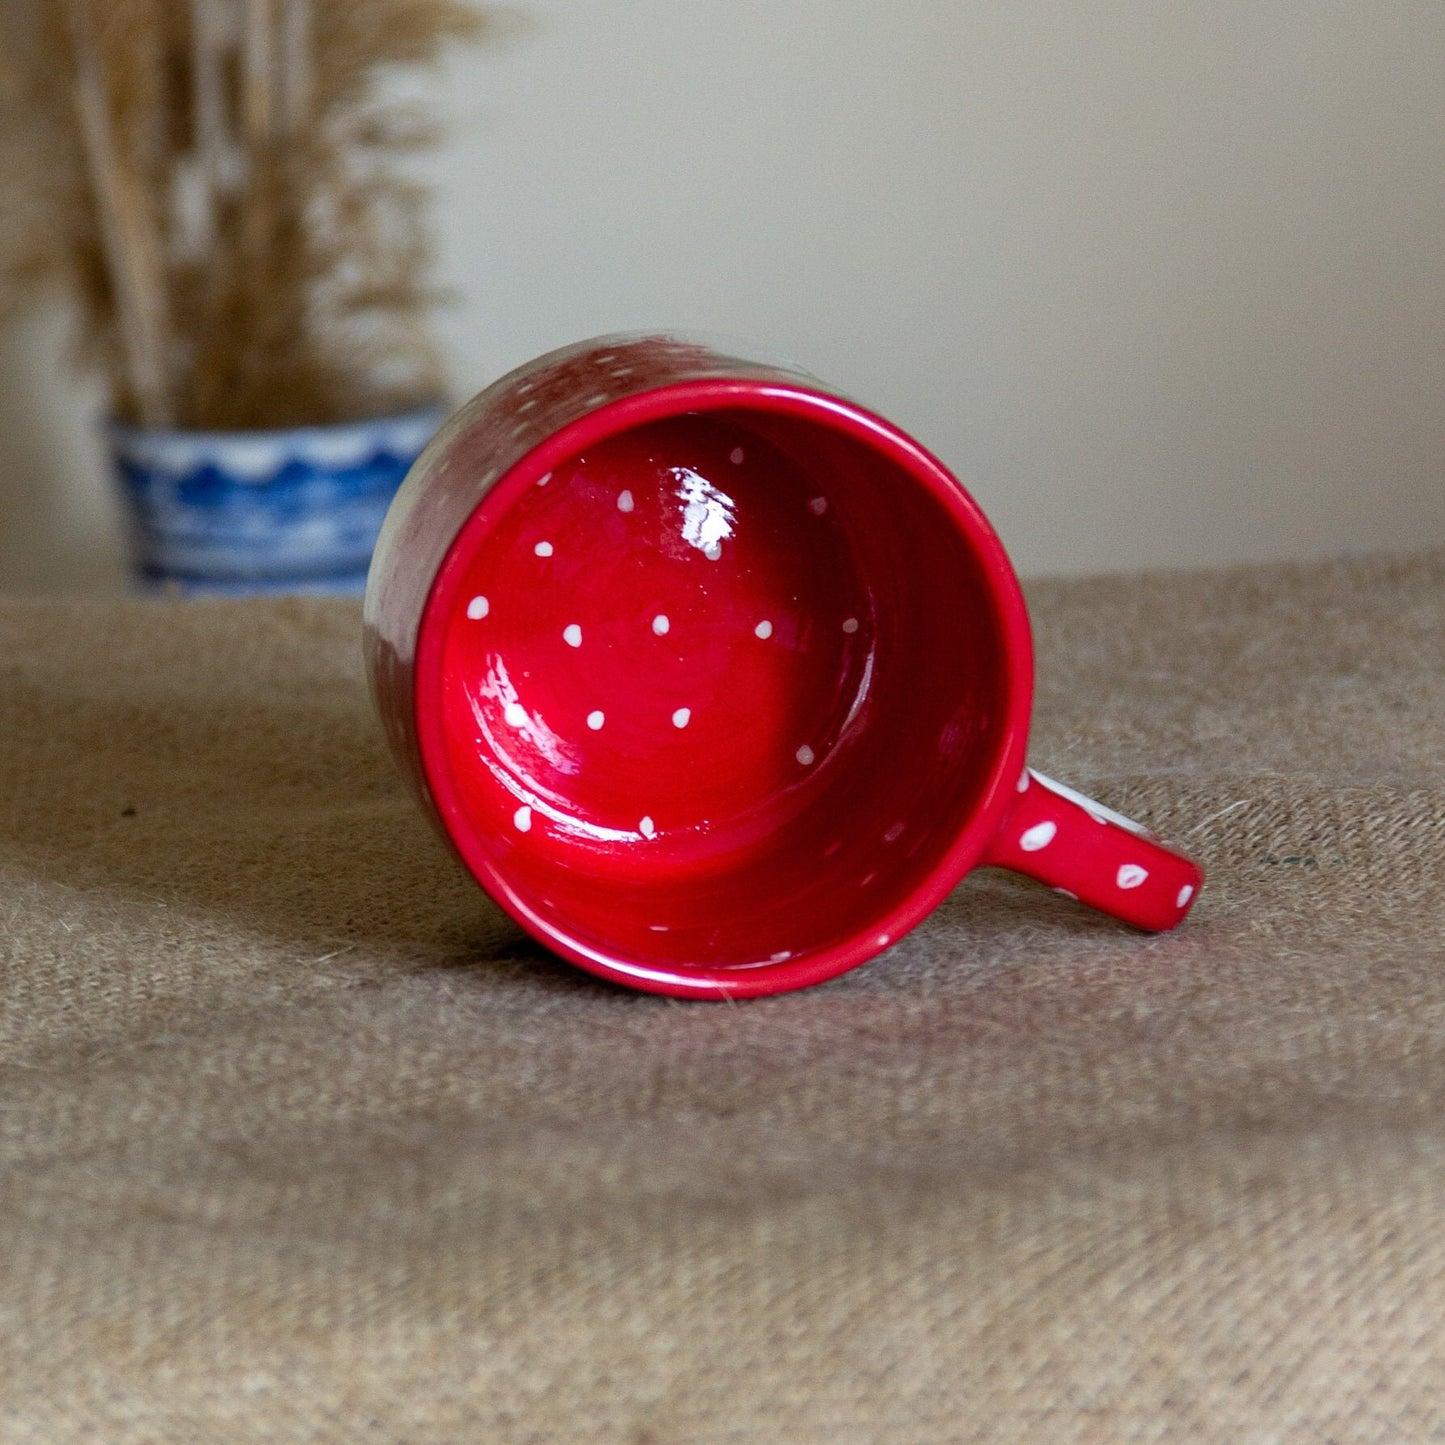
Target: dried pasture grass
x,y
222,189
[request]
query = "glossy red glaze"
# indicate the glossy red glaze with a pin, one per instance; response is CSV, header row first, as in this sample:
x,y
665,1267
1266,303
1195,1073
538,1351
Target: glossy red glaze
x,y
1095,855
717,682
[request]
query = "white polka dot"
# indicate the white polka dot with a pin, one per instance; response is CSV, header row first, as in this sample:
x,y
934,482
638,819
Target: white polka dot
x,y
895,832
1024,781
1185,894
763,630
605,358
682,717
528,404
805,755
523,819
818,506
779,957
647,828
543,549
624,501
572,635
544,479
596,718
850,624
867,878
515,714
598,399
658,927
884,940
1039,836
478,608
660,624
712,551
621,371
736,456
1130,875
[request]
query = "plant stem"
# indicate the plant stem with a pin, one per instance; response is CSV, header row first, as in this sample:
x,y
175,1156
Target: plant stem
x,y
259,79
296,87
131,248
209,118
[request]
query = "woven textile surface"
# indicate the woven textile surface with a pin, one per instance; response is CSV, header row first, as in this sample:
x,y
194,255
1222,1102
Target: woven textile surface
x,y
300,1138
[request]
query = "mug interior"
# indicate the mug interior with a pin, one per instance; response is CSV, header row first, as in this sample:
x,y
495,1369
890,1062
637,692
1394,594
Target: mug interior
x,y
721,691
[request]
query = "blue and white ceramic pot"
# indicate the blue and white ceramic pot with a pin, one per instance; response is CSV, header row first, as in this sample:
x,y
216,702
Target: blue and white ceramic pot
x,y
292,510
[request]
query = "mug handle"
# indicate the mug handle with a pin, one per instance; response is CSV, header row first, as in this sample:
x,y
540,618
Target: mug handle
x,y
1089,852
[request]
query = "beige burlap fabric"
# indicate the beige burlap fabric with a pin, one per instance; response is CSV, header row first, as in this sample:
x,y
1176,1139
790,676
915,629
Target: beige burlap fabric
x,y
302,1140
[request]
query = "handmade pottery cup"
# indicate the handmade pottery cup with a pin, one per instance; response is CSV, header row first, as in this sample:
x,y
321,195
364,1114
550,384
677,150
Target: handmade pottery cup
x,y
716,681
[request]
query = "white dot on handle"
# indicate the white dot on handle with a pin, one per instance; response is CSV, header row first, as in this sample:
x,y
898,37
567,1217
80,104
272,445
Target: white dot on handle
x,y
1185,894
544,479
523,819
543,549
515,714
1130,875
624,501
763,630
805,755
884,940
780,956
572,635
818,506
660,624
478,608
1024,781
736,456
1039,836
682,717
850,624
595,719
647,828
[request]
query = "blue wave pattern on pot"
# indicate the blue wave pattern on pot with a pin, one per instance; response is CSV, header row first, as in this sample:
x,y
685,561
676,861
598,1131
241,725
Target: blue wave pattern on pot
x,y
296,510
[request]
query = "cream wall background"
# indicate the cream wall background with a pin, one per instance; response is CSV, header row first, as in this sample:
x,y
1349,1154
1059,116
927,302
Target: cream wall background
x,y
1163,282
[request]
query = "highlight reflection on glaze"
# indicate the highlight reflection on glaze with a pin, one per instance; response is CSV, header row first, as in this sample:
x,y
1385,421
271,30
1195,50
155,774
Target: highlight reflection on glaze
x,y
708,514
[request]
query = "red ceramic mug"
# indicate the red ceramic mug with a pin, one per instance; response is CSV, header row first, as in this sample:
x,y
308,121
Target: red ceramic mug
x,y
716,681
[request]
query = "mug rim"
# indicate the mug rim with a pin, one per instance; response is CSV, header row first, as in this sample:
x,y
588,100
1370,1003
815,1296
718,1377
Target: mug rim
x,y
1001,587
